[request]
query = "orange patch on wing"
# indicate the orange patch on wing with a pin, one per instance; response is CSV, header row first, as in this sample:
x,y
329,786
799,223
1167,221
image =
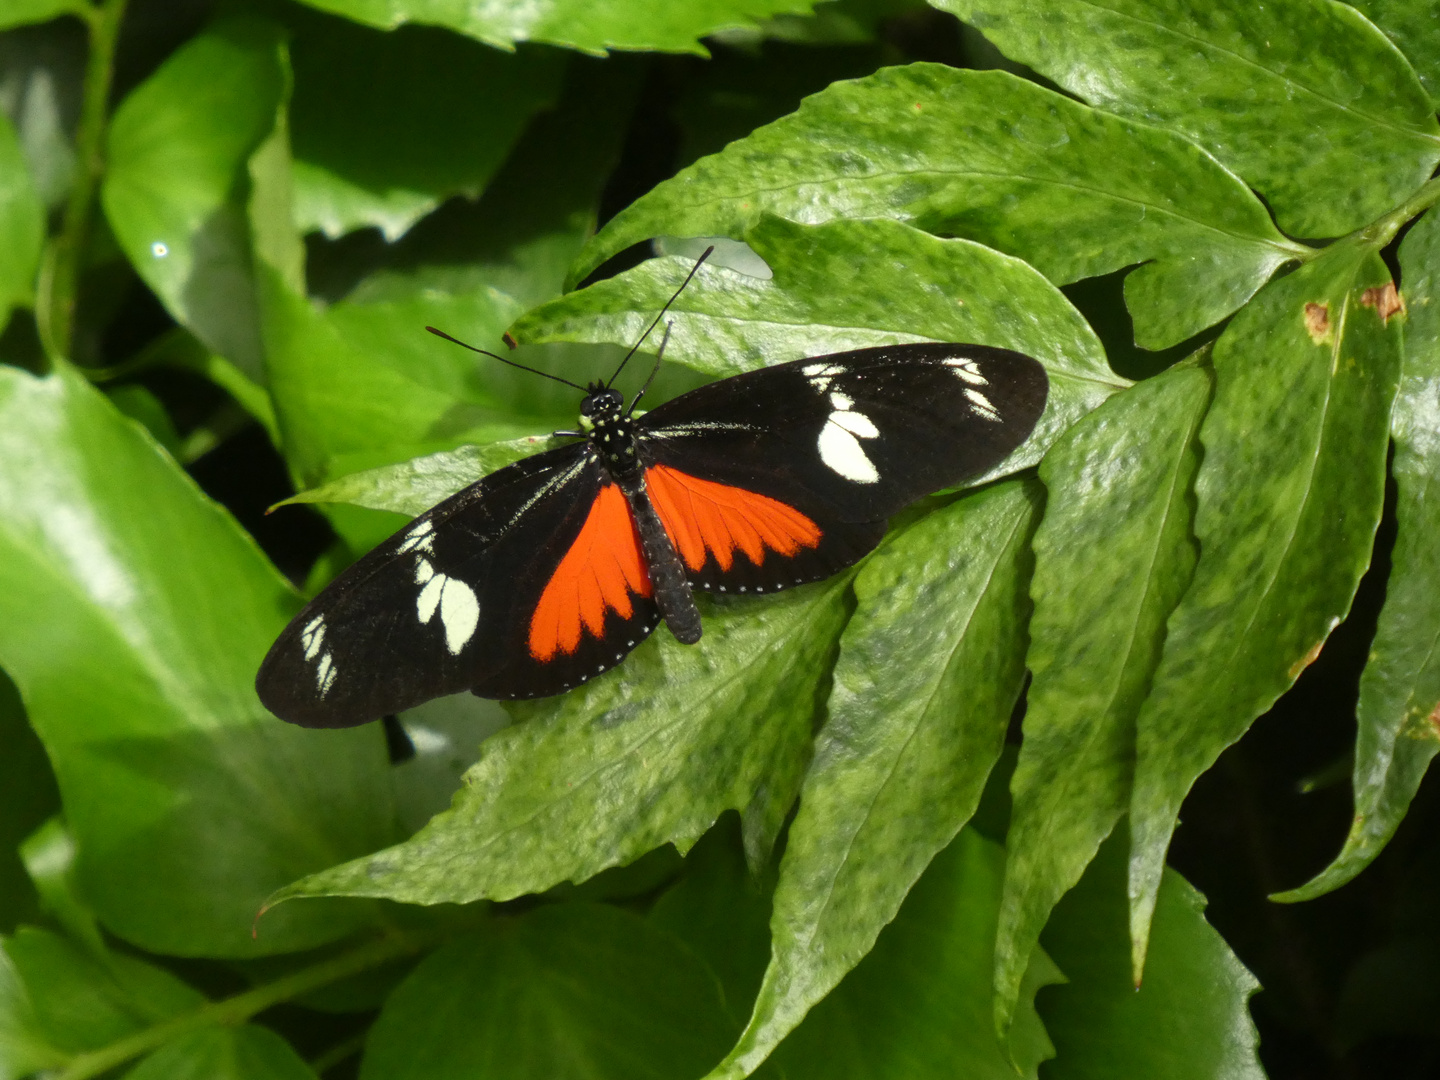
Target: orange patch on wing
x,y
703,515
602,568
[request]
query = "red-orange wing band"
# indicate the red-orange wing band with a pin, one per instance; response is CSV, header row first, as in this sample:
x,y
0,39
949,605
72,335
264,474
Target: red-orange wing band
x,y
603,567
704,516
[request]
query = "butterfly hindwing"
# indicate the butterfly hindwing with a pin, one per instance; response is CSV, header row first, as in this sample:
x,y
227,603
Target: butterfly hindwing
x,y
801,463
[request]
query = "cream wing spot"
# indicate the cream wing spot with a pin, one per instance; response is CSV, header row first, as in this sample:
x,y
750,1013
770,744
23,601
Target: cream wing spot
x,y
842,452
855,423
967,371
429,598
459,612
982,405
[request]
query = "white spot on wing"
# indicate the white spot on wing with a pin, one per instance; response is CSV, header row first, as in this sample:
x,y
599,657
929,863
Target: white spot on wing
x,y
459,611
312,640
855,423
423,571
419,538
324,674
429,598
967,371
839,401
982,404
840,450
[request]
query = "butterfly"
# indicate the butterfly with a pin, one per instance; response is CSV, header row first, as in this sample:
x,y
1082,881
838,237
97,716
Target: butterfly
x,y
548,572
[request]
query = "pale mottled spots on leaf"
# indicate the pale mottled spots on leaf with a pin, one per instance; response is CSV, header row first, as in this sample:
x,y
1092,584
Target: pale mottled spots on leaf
x,y
1317,322
1385,299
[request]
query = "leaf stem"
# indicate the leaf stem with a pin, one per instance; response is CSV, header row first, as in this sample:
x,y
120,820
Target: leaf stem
x,y
1383,229
241,1007
60,274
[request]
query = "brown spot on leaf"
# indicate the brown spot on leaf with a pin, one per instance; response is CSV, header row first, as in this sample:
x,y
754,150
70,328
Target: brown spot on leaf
x,y
1385,299
505,337
1434,719
1317,322
1306,660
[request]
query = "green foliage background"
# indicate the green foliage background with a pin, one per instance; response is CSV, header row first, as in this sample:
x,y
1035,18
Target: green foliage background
x,y
913,821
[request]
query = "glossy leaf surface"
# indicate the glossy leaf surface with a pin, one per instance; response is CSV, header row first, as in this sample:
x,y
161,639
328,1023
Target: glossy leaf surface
x,y
1399,707
1288,499
916,719
1414,28
1187,1021
1304,99
996,159
919,1004
1112,558
576,990
589,25
22,224
386,126
177,155
168,765
247,1052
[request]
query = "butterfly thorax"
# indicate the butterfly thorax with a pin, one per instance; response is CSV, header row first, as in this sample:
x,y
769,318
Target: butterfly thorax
x,y
610,431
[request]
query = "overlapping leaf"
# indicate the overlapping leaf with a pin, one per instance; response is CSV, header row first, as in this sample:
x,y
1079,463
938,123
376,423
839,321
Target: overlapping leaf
x,y
846,285
1399,725
589,25
1289,497
1187,1021
386,126
567,990
1112,557
27,798
134,639
984,155
1305,99
929,671
173,191
652,752
22,224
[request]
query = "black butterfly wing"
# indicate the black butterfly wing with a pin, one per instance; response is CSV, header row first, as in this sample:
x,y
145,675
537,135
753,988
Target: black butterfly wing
x,y
787,474
447,604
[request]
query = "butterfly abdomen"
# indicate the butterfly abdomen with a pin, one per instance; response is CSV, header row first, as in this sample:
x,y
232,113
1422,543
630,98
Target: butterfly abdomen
x,y
668,583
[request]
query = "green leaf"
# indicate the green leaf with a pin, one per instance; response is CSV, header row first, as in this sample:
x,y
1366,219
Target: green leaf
x,y
846,285
991,157
1306,101
1112,558
918,1005
387,126
248,1052
1399,708
78,1001
27,797
929,671
652,752
24,1050
22,224
22,12
177,153
49,857
592,26
1188,1020
134,615
359,384
1413,27
1288,499
582,990
414,486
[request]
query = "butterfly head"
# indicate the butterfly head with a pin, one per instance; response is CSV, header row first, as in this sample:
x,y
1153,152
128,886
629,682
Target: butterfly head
x,y
601,408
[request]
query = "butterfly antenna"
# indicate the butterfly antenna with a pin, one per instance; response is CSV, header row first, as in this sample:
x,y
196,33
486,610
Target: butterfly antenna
x,y
512,363
704,255
659,355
